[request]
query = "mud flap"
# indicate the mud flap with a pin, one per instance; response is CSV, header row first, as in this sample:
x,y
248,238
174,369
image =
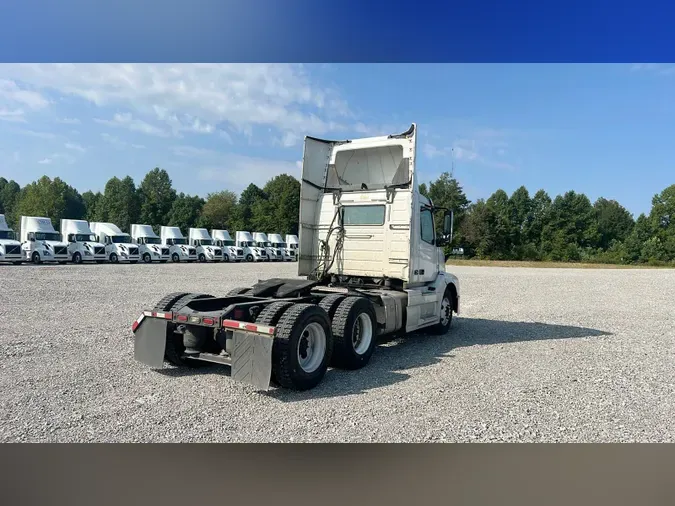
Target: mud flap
x,y
252,359
150,342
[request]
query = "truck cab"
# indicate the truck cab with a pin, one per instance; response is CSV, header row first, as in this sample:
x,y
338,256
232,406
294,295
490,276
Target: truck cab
x,y
203,243
278,243
10,248
261,240
82,244
40,242
252,252
179,249
149,244
292,246
119,247
231,252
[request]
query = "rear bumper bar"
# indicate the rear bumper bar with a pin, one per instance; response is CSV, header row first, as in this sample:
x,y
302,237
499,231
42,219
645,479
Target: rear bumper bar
x,y
251,351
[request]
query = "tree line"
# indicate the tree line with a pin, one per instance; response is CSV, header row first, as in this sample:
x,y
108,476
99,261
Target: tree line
x,y
520,226
567,228
274,208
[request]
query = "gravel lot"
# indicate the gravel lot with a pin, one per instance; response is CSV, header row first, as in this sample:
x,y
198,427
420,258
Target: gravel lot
x,y
536,355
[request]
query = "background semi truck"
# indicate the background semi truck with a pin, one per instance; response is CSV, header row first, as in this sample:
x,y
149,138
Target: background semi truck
x,y
278,243
82,243
202,242
231,252
292,246
261,240
252,253
371,265
149,244
10,248
179,250
40,242
118,246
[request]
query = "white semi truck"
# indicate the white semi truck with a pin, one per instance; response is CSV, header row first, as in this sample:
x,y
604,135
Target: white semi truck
x,y
179,250
82,244
262,242
252,253
370,262
292,246
10,248
40,242
207,251
119,246
278,243
150,246
231,252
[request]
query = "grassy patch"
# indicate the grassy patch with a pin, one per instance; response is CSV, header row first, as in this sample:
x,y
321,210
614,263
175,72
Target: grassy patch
x,y
554,265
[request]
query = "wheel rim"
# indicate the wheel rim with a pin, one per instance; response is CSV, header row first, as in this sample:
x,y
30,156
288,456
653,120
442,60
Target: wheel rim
x,y
446,309
362,333
311,347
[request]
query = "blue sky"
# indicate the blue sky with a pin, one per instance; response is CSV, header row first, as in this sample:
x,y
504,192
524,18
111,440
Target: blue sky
x,y
605,130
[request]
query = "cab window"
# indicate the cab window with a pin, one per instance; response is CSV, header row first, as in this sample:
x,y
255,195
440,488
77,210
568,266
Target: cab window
x,y
427,225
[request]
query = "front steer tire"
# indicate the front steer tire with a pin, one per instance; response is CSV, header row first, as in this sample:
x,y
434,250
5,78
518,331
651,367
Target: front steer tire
x,y
297,322
354,332
443,326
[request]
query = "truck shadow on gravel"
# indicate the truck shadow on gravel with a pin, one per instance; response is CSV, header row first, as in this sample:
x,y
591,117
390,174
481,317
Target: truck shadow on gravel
x,y
394,357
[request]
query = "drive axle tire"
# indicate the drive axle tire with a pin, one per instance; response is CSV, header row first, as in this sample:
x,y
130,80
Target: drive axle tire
x,y
330,303
271,314
354,332
302,347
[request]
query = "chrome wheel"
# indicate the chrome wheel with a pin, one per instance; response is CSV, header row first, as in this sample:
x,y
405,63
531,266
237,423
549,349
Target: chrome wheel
x,y
362,333
311,347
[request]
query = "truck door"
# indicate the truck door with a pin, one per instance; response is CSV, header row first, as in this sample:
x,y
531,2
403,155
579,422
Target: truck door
x,y
426,267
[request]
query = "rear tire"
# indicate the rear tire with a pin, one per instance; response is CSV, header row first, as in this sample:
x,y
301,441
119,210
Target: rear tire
x,y
302,347
354,332
330,303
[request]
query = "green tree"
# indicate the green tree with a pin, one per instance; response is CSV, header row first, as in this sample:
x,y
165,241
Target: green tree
x,y
571,228
499,225
614,222
477,230
640,234
120,203
156,195
247,200
185,212
520,216
9,198
662,221
219,211
447,192
91,203
52,199
279,212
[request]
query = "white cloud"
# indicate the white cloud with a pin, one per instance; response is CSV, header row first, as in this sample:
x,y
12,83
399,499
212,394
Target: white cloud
x,y
45,161
39,135
127,120
114,141
138,146
238,171
10,92
68,121
197,98
74,147
14,115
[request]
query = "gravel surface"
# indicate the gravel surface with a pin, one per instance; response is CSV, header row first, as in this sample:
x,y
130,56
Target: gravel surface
x,y
536,355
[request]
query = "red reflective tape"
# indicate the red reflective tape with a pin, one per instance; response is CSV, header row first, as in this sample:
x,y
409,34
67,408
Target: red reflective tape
x,y
248,326
168,316
136,323
231,323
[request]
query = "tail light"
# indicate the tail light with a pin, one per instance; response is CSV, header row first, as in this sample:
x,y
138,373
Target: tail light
x,y
208,321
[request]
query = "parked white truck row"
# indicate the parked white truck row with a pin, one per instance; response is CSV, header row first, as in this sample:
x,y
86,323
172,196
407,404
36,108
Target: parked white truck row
x,y
80,241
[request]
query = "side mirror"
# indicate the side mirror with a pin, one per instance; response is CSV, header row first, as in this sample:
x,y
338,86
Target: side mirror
x,y
448,221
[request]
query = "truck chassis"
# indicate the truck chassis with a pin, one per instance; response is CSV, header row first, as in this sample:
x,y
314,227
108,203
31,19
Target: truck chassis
x,y
282,331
